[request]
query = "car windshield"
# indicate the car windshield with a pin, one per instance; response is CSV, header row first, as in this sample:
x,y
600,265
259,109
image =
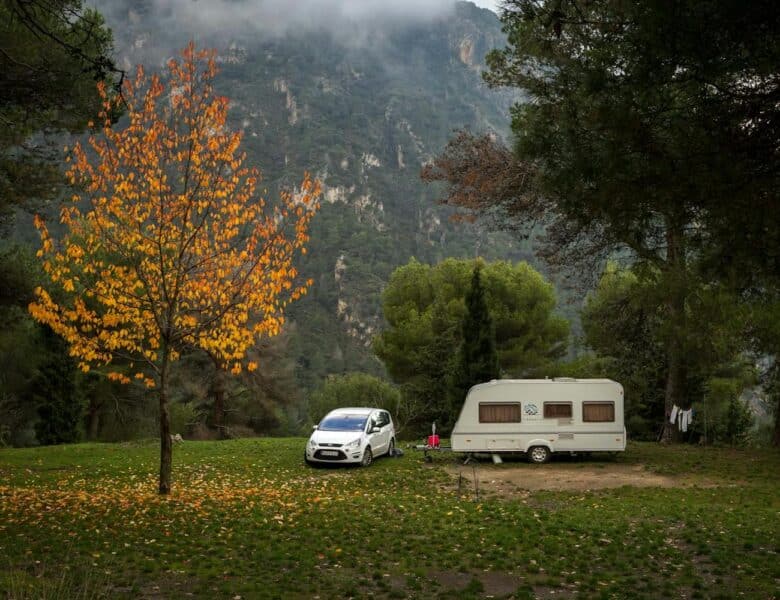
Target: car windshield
x,y
343,423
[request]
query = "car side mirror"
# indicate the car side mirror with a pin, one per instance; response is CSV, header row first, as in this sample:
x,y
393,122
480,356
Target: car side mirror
x,y
314,427
375,429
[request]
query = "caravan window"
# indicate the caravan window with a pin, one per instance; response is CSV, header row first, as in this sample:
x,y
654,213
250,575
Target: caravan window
x,y
598,412
557,410
499,413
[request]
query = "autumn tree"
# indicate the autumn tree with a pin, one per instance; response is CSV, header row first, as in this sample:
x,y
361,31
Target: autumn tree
x,y
168,247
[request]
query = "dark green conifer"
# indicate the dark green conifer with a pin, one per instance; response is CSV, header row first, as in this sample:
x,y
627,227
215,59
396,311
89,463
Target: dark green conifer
x,y
477,357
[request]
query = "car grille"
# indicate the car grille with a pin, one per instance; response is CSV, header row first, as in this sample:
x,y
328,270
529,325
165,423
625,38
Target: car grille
x,y
341,456
331,445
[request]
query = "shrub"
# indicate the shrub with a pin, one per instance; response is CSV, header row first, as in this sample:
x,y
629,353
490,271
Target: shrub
x,y
356,389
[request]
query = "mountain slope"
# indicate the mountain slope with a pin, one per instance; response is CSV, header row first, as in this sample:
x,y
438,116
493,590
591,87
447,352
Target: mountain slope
x,y
363,108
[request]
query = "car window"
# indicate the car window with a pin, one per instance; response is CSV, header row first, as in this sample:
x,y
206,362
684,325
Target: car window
x,y
382,419
343,423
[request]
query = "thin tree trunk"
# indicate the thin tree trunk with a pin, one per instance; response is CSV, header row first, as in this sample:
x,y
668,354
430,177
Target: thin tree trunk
x,y
676,376
166,445
675,390
93,419
219,401
776,436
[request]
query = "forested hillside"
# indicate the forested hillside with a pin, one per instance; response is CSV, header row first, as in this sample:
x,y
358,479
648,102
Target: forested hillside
x,y
363,115
362,103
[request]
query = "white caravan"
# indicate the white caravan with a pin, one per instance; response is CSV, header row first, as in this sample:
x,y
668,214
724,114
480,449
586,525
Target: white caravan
x,y
541,416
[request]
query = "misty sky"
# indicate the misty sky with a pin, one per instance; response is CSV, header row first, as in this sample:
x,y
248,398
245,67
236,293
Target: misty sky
x,y
491,4
348,19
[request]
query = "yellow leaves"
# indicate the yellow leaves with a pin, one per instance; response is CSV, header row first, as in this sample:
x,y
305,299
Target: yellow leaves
x,y
39,223
227,256
119,377
74,252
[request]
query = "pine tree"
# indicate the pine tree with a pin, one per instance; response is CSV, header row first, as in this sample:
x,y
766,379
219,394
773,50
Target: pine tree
x,y
477,358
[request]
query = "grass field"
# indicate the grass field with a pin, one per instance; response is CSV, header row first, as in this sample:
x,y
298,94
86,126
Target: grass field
x,y
247,519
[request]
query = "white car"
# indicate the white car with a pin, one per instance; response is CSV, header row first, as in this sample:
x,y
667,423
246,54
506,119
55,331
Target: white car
x,y
351,435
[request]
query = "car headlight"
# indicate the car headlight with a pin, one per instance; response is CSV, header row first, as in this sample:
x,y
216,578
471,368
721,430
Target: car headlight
x,y
312,443
354,444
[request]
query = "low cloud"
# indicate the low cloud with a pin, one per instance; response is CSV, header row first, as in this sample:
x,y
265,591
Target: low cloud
x,y
275,17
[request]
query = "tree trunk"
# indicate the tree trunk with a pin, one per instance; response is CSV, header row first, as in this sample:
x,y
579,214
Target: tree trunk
x,y
676,375
675,390
93,419
776,436
219,401
166,445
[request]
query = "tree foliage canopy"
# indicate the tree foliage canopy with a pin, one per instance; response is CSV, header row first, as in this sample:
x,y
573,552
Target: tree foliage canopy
x,y
425,307
625,323
644,118
175,250
51,55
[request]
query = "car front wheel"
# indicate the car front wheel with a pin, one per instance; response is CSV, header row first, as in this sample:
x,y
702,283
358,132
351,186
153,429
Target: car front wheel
x,y
391,448
368,458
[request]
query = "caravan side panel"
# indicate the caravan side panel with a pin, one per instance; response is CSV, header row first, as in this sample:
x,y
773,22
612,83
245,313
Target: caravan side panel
x,y
570,416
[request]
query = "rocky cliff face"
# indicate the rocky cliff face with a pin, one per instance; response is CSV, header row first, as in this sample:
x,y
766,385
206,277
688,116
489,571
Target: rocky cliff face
x,y
364,116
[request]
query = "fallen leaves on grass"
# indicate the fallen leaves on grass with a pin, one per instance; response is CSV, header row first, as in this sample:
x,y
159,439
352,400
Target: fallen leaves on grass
x,y
199,497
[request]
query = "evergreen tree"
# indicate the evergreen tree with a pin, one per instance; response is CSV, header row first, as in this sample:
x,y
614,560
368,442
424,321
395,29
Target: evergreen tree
x,y
425,306
52,55
477,357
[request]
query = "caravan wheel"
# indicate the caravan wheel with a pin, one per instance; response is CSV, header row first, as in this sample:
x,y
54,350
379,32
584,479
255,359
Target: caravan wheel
x,y
539,454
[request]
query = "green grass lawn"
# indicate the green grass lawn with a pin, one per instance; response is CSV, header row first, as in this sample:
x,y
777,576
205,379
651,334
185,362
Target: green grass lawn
x,y
247,518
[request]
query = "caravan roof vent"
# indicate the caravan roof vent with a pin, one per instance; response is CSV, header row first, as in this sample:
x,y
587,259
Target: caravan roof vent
x,y
564,379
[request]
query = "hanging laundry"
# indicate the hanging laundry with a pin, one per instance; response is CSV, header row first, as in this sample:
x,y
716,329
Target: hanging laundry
x,y
687,418
673,416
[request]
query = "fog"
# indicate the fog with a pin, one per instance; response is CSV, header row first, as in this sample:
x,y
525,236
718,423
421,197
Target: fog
x,y
277,17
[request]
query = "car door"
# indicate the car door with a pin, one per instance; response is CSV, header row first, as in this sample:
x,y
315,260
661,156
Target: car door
x,y
377,441
387,429
390,427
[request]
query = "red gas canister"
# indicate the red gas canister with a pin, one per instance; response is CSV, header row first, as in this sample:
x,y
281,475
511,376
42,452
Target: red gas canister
x,y
433,441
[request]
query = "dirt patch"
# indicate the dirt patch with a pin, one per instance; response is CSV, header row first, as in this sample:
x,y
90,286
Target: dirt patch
x,y
493,584
490,583
510,479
